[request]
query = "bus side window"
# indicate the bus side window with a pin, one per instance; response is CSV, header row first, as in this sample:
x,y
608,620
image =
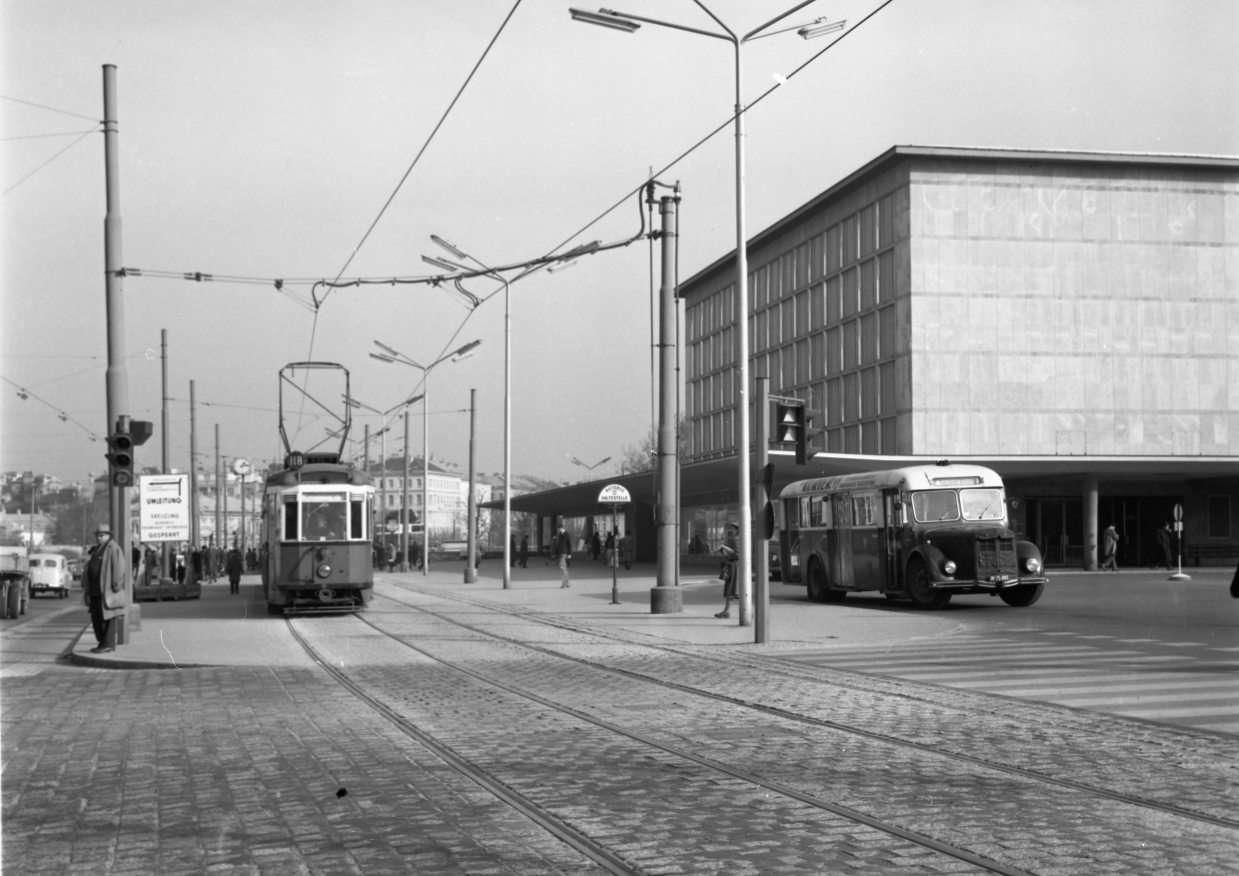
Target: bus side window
x,y
791,509
815,510
806,511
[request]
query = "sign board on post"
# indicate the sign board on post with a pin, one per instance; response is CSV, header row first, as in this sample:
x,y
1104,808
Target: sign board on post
x,y
164,507
614,494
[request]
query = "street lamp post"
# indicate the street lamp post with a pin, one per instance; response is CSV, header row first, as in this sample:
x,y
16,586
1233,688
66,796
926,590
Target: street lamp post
x,y
589,468
630,23
391,355
382,433
507,381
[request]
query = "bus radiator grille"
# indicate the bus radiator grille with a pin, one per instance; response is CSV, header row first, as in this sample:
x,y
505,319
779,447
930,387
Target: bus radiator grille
x,y
995,555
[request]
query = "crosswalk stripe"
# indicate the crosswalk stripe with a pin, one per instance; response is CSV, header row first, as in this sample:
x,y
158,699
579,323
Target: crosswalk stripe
x,y
1066,668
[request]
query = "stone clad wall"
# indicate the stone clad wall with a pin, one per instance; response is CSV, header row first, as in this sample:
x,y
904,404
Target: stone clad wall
x,y
1073,309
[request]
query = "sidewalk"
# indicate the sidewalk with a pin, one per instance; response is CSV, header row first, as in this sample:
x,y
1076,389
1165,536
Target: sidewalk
x,y
225,630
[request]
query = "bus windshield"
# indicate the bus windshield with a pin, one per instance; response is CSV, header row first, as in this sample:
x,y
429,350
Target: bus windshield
x,y
935,505
982,504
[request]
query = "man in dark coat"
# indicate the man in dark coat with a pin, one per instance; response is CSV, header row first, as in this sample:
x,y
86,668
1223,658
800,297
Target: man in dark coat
x,y
233,567
105,590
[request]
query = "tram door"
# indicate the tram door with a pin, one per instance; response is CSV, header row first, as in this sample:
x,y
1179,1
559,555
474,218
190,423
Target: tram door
x,y
892,522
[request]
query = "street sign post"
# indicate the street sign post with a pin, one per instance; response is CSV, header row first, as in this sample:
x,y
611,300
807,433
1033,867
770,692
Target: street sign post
x,y
614,495
164,507
1178,531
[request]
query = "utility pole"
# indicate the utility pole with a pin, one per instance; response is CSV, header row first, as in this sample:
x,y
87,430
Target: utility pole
x,y
471,537
404,499
164,449
666,598
668,512
761,497
117,380
193,483
219,491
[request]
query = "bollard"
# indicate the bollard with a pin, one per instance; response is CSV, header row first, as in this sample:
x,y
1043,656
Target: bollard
x,y
666,600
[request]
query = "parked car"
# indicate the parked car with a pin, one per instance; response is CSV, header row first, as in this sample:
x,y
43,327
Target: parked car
x,y
49,573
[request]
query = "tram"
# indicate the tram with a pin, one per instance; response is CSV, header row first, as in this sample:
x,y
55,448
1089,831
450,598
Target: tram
x,y
919,533
316,513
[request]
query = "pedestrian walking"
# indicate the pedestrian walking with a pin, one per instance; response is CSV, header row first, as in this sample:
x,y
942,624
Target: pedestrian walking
x,y
512,550
563,553
731,553
1110,548
105,592
1163,541
195,560
626,556
391,557
609,548
524,552
233,567
251,559
595,546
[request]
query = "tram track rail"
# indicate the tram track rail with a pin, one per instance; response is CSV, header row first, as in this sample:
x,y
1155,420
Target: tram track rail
x,y
598,852
774,711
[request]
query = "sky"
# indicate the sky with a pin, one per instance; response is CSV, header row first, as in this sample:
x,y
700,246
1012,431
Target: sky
x,y
263,140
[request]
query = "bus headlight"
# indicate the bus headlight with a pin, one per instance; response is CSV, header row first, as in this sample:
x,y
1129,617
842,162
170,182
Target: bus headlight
x,y
323,570
1032,564
949,567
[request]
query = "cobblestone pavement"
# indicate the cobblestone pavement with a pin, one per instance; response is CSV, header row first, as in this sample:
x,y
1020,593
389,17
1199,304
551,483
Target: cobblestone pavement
x,y
237,769
1017,819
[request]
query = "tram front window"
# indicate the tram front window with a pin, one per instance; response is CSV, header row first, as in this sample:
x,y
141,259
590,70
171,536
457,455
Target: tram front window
x,y
982,504
323,521
935,506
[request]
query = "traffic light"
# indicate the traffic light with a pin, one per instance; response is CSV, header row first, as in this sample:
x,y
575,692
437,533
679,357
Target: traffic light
x,y
807,434
794,425
120,458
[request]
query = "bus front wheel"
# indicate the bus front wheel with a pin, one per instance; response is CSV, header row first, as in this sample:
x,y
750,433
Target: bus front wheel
x,y
921,591
817,583
1022,595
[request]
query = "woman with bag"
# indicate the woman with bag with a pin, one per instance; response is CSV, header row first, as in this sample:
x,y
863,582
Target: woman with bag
x,y
730,553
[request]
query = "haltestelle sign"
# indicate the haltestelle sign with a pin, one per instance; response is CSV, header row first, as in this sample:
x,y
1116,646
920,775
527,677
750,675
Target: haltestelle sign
x,y
614,494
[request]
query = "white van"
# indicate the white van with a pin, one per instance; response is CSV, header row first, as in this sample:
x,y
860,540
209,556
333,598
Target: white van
x,y
49,573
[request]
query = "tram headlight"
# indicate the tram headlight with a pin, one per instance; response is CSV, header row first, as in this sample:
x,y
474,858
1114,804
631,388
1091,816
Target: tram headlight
x,y
949,567
1032,564
323,570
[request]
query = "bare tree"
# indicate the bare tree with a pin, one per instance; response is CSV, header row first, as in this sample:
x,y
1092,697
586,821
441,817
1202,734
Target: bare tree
x,y
643,455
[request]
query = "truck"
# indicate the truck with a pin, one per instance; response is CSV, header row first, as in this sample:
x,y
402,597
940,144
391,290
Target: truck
x,y
14,582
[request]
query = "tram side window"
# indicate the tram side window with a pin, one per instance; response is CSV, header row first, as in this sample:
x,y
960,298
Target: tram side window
x,y
290,520
935,505
355,517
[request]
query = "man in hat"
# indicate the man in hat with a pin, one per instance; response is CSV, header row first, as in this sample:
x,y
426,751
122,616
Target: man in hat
x,y
106,579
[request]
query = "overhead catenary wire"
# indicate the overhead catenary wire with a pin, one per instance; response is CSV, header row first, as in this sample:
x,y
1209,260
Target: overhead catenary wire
x,y
49,108
49,161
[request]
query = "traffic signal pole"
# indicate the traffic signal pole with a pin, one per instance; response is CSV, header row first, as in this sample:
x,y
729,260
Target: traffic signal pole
x,y
117,380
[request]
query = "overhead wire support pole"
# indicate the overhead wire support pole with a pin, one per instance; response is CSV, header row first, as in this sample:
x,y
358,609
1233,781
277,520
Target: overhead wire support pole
x,y
117,382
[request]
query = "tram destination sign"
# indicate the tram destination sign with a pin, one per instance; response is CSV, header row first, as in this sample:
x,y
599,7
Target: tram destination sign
x,y
164,503
614,494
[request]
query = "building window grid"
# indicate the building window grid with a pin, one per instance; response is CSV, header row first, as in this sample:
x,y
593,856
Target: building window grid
x,y
851,311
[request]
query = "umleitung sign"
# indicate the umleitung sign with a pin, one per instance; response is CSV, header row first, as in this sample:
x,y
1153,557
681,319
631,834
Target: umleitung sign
x,y
164,507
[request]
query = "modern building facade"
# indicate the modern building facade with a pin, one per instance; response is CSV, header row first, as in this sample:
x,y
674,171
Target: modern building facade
x,y
1071,319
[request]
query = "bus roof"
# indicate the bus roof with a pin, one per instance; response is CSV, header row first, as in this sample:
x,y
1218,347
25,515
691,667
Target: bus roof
x,y
911,477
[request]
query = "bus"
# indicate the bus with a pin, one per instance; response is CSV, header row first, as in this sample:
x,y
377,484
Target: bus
x,y
920,533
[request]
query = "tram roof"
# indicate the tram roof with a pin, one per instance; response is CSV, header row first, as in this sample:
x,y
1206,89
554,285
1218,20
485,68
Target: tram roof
x,y
912,477
316,473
